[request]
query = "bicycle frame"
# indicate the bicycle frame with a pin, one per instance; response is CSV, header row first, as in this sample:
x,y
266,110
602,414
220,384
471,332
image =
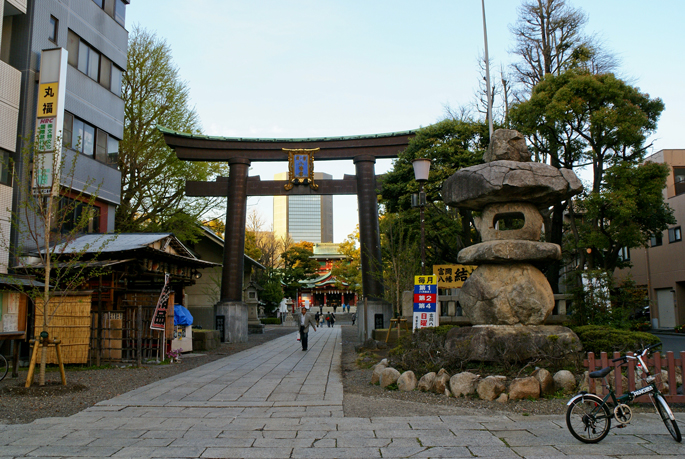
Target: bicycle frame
x,y
611,400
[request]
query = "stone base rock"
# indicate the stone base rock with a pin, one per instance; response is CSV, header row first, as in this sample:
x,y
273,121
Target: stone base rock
x,y
512,343
507,295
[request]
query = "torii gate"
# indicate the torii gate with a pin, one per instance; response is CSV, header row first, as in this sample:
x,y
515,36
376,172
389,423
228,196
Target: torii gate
x,y
240,153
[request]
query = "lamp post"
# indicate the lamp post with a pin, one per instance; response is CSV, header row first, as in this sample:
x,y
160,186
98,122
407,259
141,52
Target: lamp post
x,y
421,169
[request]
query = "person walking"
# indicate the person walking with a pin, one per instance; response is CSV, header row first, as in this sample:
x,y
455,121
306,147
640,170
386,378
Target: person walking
x,y
316,317
305,321
332,322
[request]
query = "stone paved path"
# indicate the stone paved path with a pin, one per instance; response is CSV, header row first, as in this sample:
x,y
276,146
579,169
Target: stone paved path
x,y
276,401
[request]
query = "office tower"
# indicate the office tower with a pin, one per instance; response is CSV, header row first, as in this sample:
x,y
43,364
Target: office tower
x,y
304,217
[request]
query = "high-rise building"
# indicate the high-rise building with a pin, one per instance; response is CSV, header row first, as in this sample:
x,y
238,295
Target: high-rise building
x,y
304,217
94,35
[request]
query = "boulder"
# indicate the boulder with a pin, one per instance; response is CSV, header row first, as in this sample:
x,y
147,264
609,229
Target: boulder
x,y
564,380
426,381
464,383
509,251
507,144
407,381
377,370
494,343
509,181
546,381
521,388
490,226
503,398
507,295
389,376
441,382
491,387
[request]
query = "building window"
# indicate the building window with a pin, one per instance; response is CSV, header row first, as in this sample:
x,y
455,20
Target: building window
x,y
679,178
656,240
624,254
52,33
114,8
78,216
87,139
89,61
675,234
5,168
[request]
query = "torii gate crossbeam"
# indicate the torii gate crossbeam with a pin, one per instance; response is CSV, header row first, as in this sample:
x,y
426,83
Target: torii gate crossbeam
x,y
240,153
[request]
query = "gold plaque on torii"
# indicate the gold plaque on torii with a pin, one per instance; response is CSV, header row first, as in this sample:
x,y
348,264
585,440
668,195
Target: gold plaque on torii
x,y
301,168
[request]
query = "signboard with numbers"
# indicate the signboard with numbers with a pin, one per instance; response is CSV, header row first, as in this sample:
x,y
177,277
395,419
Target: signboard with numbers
x,y
452,276
425,302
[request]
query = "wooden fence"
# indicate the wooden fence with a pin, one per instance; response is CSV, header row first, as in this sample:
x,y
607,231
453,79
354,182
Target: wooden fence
x,y
655,363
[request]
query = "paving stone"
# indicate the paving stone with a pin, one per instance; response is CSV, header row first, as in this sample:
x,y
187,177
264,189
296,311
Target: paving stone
x,y
226,453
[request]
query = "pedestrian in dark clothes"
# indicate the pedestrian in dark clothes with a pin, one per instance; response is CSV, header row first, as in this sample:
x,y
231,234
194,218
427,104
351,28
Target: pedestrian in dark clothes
x,y
305,321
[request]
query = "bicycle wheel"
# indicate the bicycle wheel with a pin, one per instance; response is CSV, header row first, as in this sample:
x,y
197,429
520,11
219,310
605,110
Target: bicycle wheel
x,y
3,367
588,419
665,412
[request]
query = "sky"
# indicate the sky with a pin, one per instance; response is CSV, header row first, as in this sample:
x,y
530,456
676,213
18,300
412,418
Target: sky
x,y
317,68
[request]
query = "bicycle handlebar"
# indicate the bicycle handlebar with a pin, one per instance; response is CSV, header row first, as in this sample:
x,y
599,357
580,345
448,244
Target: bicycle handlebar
x,y
642,352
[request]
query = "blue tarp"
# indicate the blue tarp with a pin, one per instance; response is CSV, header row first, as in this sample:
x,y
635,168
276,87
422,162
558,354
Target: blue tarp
x,y
182,316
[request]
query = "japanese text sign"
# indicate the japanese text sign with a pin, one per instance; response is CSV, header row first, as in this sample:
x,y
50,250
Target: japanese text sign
x,y
425,302
47,100
452,276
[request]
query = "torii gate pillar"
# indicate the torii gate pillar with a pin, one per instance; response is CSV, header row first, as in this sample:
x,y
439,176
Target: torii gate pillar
x,y
370,247
231,304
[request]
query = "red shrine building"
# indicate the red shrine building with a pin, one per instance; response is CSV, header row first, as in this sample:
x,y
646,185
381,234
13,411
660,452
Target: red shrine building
x,y
323,290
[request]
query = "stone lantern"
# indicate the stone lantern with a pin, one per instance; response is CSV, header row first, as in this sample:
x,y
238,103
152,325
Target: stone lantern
x,y
507,298
254,325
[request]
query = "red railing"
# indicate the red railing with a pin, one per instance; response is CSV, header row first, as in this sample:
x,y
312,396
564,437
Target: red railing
x,y
656,363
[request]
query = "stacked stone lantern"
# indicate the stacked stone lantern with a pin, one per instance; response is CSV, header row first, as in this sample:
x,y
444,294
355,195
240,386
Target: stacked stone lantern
x,y
507,298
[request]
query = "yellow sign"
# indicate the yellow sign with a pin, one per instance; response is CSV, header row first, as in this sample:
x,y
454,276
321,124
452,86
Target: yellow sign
x,y
452,276
47,100
425,280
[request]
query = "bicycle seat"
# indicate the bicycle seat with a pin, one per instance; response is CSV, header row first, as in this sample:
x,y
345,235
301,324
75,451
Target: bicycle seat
x,y
600,373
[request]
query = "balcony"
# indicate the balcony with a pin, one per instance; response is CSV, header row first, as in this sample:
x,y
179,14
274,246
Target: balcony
x,y
10,88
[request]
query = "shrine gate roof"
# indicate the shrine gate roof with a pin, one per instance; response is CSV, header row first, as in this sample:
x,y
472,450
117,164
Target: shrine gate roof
x,y
198,147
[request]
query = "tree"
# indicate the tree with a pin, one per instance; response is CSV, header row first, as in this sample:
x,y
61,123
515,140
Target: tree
x,y
297,266
46,224
579,118
152,177
451,145
348,272
401,258
627,211
550,40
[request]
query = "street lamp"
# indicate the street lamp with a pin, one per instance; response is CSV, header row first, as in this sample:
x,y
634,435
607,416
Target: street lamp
x,y
421,169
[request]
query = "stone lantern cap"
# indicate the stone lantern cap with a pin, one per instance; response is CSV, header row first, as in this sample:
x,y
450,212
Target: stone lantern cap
x,y
509,181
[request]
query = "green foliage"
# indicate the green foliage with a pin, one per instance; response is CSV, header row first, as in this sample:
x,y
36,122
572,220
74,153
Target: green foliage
x,y
152,177
348,271
251,248
297,266
599,300
450,145
600,338
627,212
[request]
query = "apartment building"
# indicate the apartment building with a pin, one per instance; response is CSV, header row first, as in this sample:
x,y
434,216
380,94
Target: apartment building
x,y
661,266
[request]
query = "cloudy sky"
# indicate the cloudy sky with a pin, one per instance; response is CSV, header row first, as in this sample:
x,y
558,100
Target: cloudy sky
x,y
299,68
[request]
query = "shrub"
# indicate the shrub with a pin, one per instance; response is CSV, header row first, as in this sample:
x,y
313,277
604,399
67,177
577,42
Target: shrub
x,y
601,338
423,351
271,320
